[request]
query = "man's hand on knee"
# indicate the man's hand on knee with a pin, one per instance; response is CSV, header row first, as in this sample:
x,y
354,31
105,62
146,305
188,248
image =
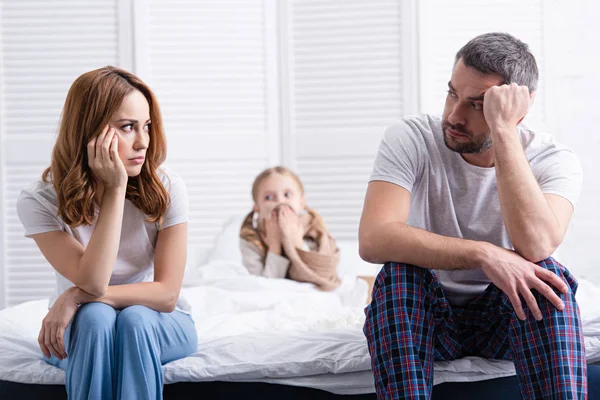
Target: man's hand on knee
x,y
517,276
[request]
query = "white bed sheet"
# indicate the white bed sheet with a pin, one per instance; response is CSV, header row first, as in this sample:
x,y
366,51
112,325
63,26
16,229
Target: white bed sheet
x,y
268,330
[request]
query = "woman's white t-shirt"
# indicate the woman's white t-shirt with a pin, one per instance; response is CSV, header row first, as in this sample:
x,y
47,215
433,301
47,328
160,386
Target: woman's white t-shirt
x,y
37,208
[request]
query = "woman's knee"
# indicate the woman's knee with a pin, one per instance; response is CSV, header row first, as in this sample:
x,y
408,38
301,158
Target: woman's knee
x,y
135,319
95,318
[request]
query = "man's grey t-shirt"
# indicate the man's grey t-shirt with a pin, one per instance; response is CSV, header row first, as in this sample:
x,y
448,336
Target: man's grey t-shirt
x,y
453,198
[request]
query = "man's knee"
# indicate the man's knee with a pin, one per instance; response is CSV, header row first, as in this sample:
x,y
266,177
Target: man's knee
x,y
548,307
403,284
405,272
561,271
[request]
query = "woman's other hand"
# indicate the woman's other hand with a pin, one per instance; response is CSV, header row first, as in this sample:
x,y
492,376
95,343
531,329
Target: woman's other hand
x,y
52,335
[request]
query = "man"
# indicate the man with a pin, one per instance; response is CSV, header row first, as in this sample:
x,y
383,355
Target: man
x,y
470,208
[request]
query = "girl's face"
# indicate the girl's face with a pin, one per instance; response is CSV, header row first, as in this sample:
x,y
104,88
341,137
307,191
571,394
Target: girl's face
x,y
132,126
278,189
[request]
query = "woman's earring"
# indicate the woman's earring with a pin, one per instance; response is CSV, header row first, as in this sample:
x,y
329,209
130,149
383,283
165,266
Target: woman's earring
x,y
255,220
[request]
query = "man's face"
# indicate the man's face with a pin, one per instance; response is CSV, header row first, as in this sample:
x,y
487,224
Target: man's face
x,y
464,126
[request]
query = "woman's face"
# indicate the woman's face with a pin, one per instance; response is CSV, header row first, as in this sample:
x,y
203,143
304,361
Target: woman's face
x,y
132,125
278,189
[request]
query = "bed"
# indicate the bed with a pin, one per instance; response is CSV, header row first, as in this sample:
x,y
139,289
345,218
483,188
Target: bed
x,y
269,338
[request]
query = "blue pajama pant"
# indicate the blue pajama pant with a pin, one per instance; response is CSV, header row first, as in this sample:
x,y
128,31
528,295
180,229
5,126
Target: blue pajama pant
x,y
410,324
114,355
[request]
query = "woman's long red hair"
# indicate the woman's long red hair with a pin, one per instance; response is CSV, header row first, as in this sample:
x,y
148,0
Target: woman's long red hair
x,y
91,102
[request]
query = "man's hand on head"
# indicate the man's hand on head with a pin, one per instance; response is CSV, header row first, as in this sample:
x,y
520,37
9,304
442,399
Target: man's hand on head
x,y
505,106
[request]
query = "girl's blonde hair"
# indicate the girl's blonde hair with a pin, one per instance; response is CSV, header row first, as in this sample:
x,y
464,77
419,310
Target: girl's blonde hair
x,y
91,102
252,235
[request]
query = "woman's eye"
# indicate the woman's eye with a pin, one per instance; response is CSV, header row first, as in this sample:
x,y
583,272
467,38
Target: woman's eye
x,y
127,128
147,127
288,194
268,197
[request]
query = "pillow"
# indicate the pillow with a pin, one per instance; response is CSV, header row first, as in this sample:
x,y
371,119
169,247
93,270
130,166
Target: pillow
x,y
226,245
350,261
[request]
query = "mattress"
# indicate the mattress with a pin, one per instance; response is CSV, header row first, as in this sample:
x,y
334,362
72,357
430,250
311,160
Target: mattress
x,y
253,329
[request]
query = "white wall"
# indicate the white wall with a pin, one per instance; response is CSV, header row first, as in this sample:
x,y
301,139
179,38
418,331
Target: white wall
x,y
572,51
565,38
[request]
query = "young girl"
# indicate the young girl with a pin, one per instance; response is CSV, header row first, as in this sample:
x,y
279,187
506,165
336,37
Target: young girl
x,y
114,227
282,237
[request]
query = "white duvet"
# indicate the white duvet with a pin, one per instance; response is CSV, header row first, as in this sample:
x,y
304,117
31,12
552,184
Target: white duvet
x,y
269,330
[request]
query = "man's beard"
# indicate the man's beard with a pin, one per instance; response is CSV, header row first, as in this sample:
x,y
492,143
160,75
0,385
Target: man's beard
x,y
470,147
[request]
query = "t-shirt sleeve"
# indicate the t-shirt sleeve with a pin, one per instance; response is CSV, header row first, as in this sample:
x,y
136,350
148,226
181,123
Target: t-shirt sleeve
x,y
178,211
399,158
35,217
273,266
559,172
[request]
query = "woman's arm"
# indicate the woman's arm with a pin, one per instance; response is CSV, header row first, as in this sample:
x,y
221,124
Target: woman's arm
x,y
90,268
169,266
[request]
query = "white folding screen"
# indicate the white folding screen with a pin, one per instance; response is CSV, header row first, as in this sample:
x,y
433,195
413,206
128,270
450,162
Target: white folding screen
x,y
349,68
572,84
44,46
212,66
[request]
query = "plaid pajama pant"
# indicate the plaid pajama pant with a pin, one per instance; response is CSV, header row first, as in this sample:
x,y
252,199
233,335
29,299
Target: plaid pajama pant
x,y
410,324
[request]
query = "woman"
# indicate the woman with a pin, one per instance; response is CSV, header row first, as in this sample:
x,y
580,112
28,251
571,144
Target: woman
x,y
114,227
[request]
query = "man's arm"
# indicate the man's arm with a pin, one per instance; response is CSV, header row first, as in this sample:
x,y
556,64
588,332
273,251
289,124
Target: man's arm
x,y
536,222
384,236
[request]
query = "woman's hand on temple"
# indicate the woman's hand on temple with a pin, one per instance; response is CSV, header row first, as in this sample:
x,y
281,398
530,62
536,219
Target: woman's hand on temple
x,y
51,337
104,161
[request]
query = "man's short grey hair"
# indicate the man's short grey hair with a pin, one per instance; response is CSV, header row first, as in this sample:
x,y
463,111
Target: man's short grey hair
x,y
503,55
